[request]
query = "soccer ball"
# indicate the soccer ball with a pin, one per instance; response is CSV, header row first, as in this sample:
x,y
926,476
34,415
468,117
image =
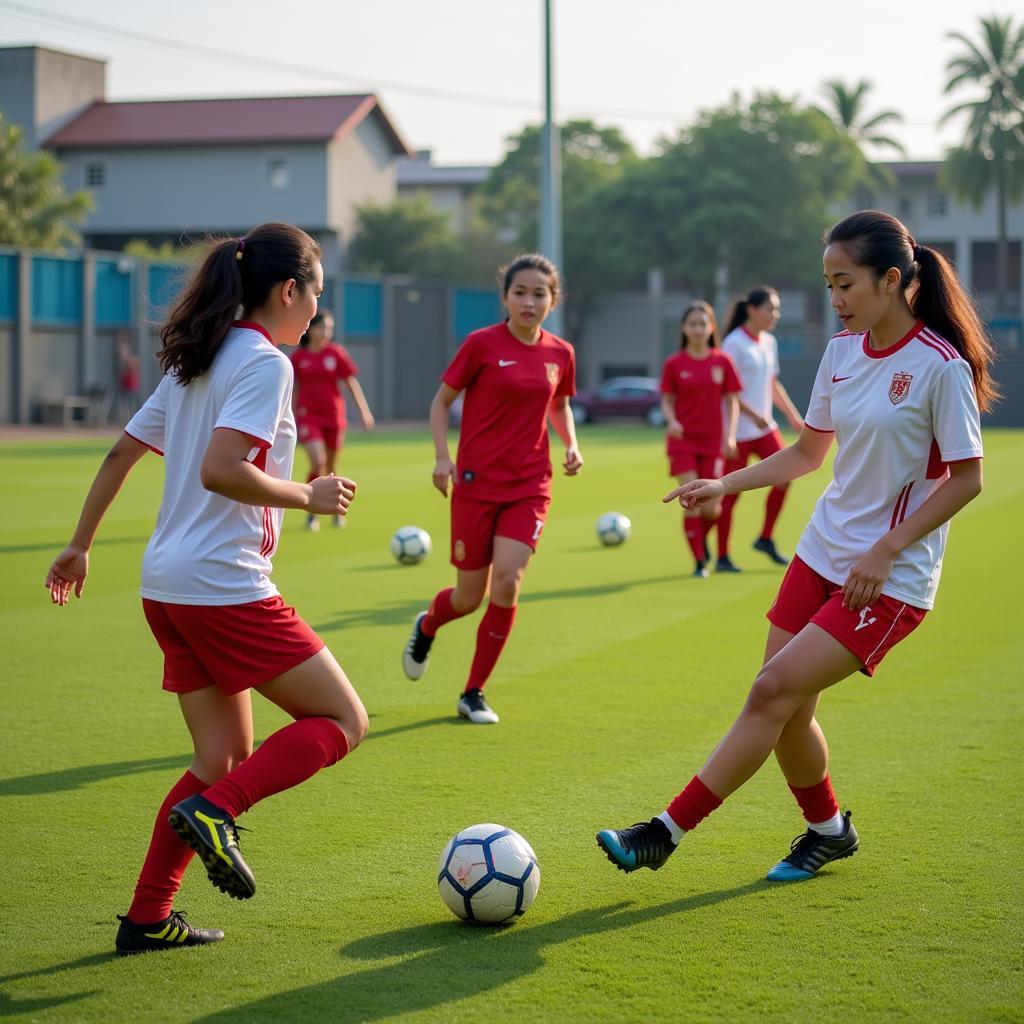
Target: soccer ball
x,y
613,528
488,874
410,545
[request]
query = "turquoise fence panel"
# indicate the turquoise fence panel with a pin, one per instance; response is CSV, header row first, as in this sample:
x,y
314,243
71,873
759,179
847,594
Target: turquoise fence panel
x,y
56,291
364,303
113,295
475,308
165,281
8,287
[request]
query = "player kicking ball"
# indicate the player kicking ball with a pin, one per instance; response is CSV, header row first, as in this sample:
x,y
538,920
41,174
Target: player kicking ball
x,y
516,377
899,390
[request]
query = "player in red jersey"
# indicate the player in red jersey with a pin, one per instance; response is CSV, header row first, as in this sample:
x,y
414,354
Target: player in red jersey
x,y
322,370
516,376
222,418
755,353
694,383
900,392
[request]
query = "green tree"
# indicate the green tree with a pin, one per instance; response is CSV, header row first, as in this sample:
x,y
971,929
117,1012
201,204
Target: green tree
x,y
407,236
846,108
593,160
741,196
35,211
992,152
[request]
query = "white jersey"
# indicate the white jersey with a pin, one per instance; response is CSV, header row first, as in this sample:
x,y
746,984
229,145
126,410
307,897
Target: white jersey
x,y
899,415
757,362
208,549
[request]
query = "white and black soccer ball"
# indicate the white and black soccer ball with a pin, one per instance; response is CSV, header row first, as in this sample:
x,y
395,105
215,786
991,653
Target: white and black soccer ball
x,y
488,874
613,528
410,545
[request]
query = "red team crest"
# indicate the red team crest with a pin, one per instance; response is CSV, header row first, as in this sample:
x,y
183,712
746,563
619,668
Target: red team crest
x,y
553,372
900,387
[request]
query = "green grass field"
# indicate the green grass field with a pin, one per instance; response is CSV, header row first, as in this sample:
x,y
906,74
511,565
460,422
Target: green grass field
x,y
621,675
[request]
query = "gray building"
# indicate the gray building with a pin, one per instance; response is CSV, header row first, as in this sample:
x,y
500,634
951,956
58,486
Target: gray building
x,y
449,187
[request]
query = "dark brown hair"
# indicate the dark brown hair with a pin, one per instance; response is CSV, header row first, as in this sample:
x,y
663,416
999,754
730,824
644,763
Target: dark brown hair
x,y
236,275
701,307
531,261
880,242
739,311
318,318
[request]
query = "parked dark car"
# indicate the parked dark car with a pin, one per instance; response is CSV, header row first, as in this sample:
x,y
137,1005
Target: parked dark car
x,y
636,397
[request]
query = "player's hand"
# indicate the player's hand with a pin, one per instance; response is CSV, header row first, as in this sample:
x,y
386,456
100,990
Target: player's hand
x,y
368,421
760,422
573,461
69,569
730,451
444,470
696,492
867,577
675,429
331,495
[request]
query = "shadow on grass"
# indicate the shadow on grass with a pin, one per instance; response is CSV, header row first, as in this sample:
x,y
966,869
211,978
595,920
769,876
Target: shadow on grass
x,y
75,778
11,1007
57,545
447,962
448,720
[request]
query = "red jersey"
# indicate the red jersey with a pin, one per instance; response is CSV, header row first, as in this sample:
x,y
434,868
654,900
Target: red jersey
x,y
698,386
503,442
316,382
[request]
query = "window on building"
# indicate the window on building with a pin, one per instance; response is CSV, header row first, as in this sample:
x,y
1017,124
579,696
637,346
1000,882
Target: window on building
x,y
937,204
95,175
983,269
279,174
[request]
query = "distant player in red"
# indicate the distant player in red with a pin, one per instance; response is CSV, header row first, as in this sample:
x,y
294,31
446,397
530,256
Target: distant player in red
x,y
322,370
694,383
516,377
222,419
899,391
751,346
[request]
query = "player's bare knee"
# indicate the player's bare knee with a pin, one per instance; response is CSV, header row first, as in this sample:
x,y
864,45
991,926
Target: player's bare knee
x,y
466,602
505,586
772,695
355,725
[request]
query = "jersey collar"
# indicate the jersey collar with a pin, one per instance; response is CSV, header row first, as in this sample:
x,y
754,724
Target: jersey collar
x,y
884,353
251,325
750,334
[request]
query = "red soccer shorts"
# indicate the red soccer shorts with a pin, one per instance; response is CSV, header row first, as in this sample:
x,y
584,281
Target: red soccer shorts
x,y
869,633
475,524
684,458
312,428
763,446
232,646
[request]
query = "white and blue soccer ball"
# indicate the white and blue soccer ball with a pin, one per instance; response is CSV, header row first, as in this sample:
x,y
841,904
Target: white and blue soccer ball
x,y
488,874
613,528
410,545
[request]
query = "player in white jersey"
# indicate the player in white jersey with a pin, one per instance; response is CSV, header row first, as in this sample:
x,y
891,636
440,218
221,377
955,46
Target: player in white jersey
x,y
222,418
755,353
900,391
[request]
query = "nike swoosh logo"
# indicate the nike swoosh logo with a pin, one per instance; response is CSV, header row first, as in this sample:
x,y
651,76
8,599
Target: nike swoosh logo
x,y
506,362
836,380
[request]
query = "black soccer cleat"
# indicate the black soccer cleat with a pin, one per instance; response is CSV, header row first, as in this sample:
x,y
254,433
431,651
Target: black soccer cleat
x,y
473,706
812,851
726,564
647,844
174,932
213,834
767,547
417,650
701,571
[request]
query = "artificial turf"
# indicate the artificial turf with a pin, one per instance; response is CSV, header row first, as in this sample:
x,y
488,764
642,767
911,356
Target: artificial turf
x,y
620,676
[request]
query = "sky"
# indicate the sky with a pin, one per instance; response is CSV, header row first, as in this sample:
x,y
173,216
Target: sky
x,y
458,77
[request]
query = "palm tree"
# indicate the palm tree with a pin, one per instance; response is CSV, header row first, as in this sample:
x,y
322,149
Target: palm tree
x,y
846,110
992,153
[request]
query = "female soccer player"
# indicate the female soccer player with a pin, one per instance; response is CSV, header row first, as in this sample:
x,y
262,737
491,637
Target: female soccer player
x,y
754,351
899,390
222,418
694,383
516,376
322,369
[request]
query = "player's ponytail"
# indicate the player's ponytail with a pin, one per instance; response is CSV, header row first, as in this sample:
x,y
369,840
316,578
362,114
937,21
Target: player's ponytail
x,y
235,277
881,242
739,311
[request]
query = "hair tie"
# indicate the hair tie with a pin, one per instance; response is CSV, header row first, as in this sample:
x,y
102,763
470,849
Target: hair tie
x,y
917,252
241,248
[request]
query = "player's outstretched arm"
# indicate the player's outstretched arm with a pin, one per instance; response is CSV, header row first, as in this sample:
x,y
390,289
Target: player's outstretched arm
x,y
71,566
444,468
565,427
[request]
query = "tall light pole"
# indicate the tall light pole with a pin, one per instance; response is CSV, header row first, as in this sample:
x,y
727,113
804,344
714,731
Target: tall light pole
x,y
550,173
